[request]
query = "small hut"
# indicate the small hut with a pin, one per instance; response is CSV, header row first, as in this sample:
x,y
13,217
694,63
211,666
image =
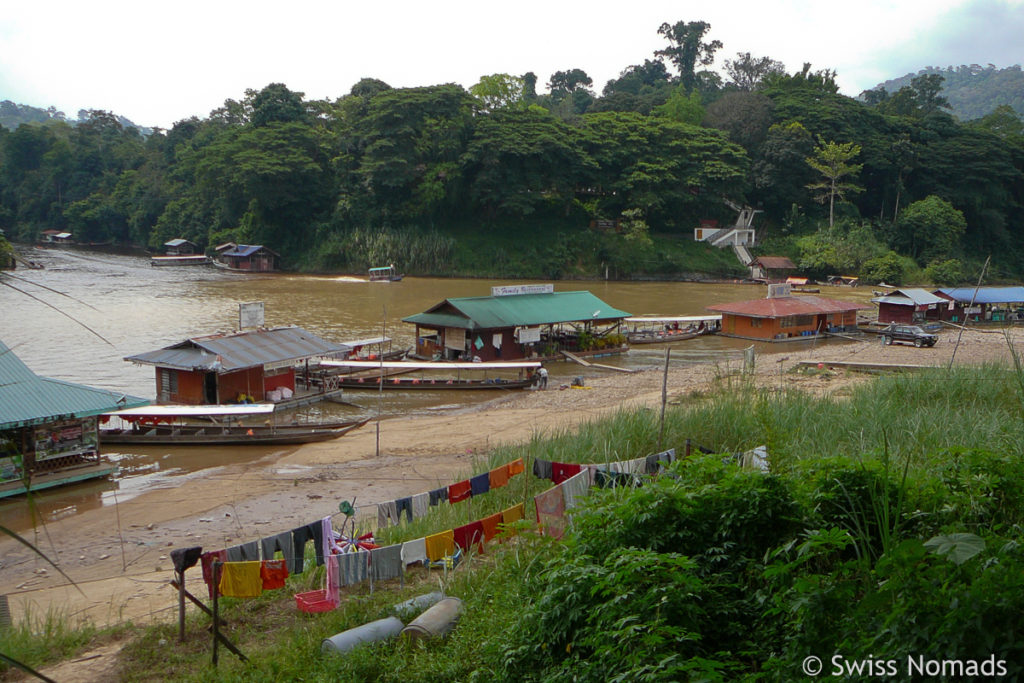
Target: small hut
x,y
771,268
180,247
908,306
251,366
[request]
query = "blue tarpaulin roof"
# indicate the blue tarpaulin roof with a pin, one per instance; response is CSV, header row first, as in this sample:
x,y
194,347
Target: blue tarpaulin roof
x,y
985,295
27,399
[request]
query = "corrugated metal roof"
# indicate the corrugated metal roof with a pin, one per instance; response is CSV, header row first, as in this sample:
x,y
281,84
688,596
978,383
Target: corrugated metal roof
x,y
27,399
178,242
494,312
243,250
985,295
910,297
774,262
241,350
780,307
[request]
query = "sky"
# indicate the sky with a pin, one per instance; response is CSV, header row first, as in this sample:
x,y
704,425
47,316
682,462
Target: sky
x,y
158,63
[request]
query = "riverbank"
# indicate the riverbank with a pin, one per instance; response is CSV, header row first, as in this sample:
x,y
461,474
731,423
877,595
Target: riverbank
x,y
119,554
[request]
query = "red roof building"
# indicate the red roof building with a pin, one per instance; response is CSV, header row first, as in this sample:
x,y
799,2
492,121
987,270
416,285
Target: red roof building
x,y
786,317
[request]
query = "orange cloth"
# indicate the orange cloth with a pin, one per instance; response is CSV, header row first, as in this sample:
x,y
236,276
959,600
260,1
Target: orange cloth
x,y
491,525
459,491
440,545
498,477
240,580
273,573
515,467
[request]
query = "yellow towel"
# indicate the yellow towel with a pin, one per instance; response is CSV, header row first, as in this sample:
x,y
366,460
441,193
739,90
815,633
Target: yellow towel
x,y
240,580
440,545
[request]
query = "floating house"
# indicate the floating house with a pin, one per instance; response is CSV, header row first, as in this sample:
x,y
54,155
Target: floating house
x,y
249,258
519,322
180,247
48,428
771,268
786,318
975,304
252,366
909,306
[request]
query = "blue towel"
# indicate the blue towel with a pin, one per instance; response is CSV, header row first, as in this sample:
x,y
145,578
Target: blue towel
x,y
480,484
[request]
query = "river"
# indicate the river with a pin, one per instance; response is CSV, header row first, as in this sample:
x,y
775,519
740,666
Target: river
x,y
78,316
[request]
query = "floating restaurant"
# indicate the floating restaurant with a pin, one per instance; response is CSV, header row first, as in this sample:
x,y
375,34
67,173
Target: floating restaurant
x,y
782,317
517,322
48,428
251,366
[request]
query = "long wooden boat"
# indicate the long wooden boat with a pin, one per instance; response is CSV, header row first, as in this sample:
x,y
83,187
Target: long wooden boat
x,y
662,329
215,426
199,260
413,375
385,274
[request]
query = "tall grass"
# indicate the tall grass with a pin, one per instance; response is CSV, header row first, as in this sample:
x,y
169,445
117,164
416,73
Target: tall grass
x,y
920,416
39,639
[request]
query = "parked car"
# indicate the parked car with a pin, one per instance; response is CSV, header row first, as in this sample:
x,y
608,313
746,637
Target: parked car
x,y
912,334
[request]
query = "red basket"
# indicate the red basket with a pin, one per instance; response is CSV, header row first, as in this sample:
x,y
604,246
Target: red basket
x,y
313,601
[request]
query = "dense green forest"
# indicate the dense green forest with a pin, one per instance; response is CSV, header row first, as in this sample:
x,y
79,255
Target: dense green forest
x,y
973,91
503,179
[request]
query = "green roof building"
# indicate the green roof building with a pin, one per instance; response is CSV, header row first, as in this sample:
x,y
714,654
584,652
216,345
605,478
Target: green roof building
x,y
530,321
48,428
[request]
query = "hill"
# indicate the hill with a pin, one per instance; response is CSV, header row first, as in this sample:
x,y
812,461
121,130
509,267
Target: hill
x,y
13,115
973,91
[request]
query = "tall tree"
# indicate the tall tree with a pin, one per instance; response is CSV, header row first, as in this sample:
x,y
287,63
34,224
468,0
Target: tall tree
x,y
569,81
930,230
832,161
747,72
498,91
687,48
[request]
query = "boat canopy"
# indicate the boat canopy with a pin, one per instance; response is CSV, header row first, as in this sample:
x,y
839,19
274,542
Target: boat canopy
x,y
366,342
674,319
431,365
194,411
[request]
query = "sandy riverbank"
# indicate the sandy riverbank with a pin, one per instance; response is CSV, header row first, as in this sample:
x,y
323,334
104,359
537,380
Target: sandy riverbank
x,y
123,574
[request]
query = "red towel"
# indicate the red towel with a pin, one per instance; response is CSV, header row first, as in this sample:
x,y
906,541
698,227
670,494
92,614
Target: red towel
x,y
273,573
490,525
460,491
560,471
470,535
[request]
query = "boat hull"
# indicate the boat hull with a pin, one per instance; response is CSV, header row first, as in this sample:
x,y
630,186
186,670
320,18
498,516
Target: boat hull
x,y
410,384
206,435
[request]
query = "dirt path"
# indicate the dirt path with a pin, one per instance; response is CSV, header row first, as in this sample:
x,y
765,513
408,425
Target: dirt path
x,y
119,555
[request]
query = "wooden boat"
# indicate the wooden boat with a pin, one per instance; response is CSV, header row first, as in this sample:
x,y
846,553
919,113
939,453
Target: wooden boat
x,y
385,274
662,330
215,426
413,375
199,260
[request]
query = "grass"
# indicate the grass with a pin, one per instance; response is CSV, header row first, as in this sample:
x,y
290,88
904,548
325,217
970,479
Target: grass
x,y
922,417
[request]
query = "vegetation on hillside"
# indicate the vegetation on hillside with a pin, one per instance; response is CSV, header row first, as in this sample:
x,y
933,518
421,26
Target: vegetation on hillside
x,y
526,173
973,91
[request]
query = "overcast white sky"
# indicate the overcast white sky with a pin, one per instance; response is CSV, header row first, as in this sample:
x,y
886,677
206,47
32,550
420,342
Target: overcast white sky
x,y
157,63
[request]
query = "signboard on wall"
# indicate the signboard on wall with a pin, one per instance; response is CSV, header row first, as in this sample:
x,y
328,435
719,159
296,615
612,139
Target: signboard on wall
x,y
250,315
512,290
527,335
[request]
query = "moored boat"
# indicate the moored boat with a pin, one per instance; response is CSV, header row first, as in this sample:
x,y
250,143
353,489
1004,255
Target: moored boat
x,y
665,329
215,426
409,375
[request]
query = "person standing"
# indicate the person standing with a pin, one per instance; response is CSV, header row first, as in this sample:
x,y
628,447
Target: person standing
x,y
543,373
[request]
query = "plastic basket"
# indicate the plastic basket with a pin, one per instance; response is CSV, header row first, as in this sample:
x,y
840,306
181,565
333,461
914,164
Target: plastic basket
x,y
314,601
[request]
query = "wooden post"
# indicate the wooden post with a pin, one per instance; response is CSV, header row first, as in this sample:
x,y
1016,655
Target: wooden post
x,y
181,606
664,399
216,591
